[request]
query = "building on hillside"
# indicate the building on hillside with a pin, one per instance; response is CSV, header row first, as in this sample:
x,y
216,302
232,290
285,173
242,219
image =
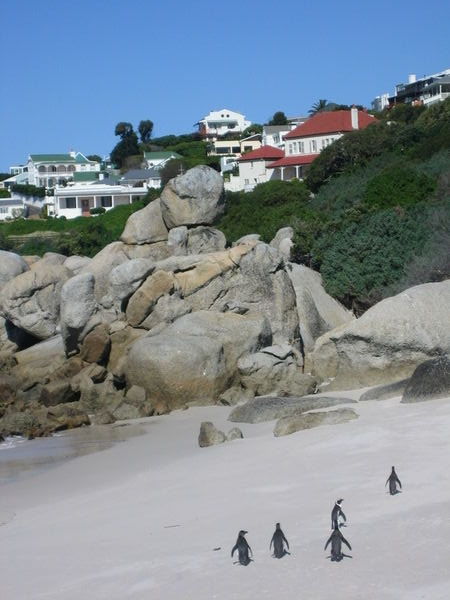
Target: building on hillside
x,y
304,143
149,178
11,208
253,169
50,170
79,200
273,135
221,122
159,159
426,90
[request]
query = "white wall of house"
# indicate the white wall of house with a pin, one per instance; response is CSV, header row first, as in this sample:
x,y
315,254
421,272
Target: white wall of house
x,y
50,174
310,145
251,173
220,122
77,201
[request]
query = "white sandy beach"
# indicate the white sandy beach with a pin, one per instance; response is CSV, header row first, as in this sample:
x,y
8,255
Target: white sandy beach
x,y
142,519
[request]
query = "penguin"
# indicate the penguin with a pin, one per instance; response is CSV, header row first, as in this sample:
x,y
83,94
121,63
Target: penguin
x,y
336,539
243,549
393,480
336,513
278,540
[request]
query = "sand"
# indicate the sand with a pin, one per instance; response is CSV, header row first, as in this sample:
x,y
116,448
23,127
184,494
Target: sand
x,y
144,518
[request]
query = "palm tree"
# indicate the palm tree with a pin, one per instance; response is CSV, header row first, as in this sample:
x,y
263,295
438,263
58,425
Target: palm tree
x,y
318,107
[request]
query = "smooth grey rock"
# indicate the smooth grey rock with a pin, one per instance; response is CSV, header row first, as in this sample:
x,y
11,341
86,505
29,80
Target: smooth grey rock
x,y
251,237
78,305
268,408
167,309
430,381
76,263
283,241
145,226
202,240
31,301
384,392
209,435
194,358
103,263
234,434
11,265
126,411
125,279
195,198
54,258
292,424
388,341
318,312
177,240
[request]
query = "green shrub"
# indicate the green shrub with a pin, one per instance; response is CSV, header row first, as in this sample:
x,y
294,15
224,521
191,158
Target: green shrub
x,y
397,186
98,210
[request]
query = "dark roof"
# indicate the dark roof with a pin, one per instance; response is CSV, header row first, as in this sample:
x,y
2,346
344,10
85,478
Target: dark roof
x,y
336,121
263,153
141,174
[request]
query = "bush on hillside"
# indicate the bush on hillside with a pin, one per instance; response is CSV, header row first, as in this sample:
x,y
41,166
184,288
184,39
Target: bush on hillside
x,y
397,186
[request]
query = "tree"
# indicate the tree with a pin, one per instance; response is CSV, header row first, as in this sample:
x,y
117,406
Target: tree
x,y
94,157
171,169
252,129
145,130
123,129
318,106
279,118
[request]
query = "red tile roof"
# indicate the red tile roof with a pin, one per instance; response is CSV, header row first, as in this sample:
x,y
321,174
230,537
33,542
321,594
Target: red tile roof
x,y
292,161
263,153
330,122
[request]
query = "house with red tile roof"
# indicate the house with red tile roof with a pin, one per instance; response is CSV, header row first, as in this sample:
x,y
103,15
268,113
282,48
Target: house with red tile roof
x,y
304,143
253,169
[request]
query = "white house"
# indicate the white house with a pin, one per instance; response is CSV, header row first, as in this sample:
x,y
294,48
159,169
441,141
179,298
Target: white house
x,y
220,122
159,159
77,201
50,170
304,143
253,169
428,89
11,208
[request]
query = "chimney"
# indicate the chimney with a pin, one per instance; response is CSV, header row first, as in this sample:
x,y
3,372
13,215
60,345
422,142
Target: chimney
x,y
72,153
354,117
411,78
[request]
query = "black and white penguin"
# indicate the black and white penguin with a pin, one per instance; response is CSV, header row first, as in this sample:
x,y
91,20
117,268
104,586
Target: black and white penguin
x,y
243,549
393,480
336,513
278,540
337,539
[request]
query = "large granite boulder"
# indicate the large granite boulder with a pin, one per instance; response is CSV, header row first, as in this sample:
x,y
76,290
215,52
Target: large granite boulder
x,y
389,341
125,279
145,226
75,263
283,241
384,392
202,240
11,265
268,408
430,381
78,305
318,312
291,424
275,369
195,198
194,358
31,301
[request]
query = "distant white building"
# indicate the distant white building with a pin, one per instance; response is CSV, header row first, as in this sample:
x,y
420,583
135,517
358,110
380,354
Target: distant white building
x,y
428,89
159,159
77,201
253,169
220,122
50,170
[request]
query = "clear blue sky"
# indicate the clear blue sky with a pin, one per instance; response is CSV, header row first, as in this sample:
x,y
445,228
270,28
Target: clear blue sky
x,y
72,70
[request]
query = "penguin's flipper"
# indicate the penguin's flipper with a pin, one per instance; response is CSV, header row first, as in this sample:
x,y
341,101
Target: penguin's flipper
x,y
234,550
328,542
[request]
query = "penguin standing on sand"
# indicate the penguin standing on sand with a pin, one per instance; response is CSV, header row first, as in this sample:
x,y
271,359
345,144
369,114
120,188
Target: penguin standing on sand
x,y
278,540
243,549
393,480
336,513
337,539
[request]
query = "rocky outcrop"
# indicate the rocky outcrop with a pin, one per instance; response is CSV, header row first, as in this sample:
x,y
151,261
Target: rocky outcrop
x,y
145,226
31,301
318,312
78,306
127,277
234,434
292,424
209,435
430,381
76,263
195,358
384,392
195,198
262,409
283,242
202,240
11,265
389,341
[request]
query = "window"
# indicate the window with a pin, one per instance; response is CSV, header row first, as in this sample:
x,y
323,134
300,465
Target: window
x,y
246,181
313,146
4,210
301,147
290,149
236,149
247,149
71,203
106,201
